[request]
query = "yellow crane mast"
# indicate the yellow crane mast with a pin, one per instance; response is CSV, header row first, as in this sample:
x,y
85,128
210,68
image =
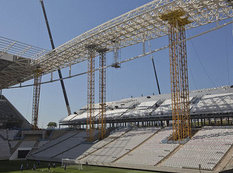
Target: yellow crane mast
x,y
91,91
102,92
179,73
36,97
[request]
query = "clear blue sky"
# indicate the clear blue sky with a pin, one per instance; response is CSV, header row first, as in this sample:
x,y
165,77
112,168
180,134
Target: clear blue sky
x,y
210,57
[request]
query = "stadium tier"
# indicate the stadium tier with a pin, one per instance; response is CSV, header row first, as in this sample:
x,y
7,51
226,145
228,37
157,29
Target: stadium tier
x,y
146,146
13,68
207,147
152,151
204,104
4,149
70,145
150,148
7,143
119,147
10,117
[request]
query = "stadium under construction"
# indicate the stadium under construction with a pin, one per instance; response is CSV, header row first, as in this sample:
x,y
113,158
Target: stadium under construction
x,y
184,131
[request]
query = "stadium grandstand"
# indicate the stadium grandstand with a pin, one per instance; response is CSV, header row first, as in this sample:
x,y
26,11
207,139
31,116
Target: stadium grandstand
x,y
208,106
10,116
140,136
182,131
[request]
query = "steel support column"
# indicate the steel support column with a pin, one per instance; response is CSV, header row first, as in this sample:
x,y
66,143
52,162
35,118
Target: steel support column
x,y
90,91
36,98
102,92
178,73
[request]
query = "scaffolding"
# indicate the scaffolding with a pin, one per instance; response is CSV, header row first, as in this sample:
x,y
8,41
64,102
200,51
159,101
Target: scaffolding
x,y
36,97
90,92
102,92
179,73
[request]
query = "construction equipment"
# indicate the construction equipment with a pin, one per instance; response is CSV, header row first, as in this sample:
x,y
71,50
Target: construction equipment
x,y
116,51
137,26
37,81
150,21
59,71
156,77
36,97
91,91
102,92
178,73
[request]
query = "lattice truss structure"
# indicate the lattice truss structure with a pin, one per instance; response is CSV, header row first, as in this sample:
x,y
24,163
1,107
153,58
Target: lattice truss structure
x,y
36,98
179,73
16,61
136,26
102,92
91,91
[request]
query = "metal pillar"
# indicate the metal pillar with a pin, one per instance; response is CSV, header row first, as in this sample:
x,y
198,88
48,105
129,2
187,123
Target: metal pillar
x,y
102,92
179,74
36,98
90,91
